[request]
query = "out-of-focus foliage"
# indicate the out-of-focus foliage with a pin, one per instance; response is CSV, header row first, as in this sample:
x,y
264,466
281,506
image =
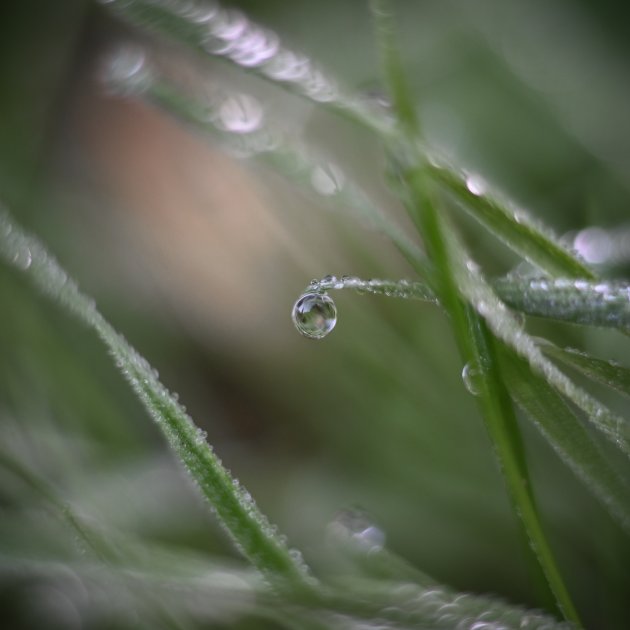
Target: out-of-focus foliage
x,y
198,258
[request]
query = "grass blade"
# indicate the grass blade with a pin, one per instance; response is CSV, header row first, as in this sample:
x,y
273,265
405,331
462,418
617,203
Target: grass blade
x,y
593,303
477,348
515,228
605,372
505,326
563,430
473,339
230,35
245,524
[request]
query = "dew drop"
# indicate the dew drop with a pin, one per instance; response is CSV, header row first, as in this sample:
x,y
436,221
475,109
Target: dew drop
x,y
125,71
327,179
23,258
241,114
354,526
475,185
471,375
314,315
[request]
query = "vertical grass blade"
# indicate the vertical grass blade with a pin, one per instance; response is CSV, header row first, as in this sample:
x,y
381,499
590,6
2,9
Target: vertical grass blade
x,y
473,339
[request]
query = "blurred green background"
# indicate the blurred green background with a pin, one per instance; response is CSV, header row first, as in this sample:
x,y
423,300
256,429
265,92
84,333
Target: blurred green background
x,y
197,259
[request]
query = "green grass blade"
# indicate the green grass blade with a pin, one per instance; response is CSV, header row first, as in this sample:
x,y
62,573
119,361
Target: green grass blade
x,y
505,326
605,304
607,373
564,432
473,339
404,105
477,348
406,606
593,303
527,237
246,525
231,36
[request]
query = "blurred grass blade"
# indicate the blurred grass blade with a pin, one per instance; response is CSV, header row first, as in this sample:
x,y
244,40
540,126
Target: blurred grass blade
x,y
527,237
409,605
404,105
228,34
566,435
593,303
266,146
605,372
246,525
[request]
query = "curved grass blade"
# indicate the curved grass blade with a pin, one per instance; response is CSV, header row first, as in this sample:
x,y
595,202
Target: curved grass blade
x,y
607,373
563,430
527,237
605,304
228,34
248,528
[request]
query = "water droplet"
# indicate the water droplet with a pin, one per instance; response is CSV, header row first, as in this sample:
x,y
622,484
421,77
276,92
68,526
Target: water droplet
x,y
593,244
354,526
327,179
22,258
476,185
314,315
240,113
471,375
126,70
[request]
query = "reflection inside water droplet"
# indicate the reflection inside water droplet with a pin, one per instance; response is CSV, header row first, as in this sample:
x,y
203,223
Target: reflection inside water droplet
x,y
471,375
314,315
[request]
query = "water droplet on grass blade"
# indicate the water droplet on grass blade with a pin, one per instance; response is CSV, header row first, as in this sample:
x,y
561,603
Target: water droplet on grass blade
x,y
240,114
314,315
471,375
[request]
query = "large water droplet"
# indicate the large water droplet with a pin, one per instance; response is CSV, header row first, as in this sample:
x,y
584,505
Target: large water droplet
x,y
314,315
471,375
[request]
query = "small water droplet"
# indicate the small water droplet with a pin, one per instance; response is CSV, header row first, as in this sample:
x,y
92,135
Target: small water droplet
x,y
327,179
354,525
471,375
126,71
314,315
476,185
594,245
22,258
240,113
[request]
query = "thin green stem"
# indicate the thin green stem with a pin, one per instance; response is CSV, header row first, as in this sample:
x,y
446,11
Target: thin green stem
x,y
473,339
